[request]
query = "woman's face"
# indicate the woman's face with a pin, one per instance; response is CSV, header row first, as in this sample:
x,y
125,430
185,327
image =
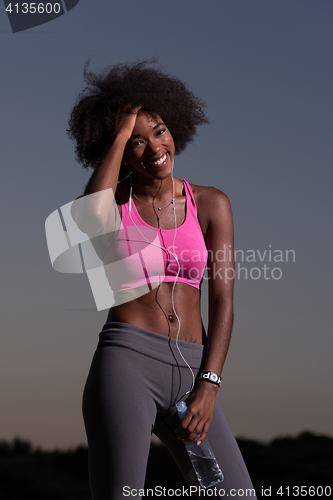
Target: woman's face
x,y
151,149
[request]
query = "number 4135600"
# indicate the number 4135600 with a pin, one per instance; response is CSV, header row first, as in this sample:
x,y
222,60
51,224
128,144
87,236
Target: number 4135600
x,y
304,491
34,8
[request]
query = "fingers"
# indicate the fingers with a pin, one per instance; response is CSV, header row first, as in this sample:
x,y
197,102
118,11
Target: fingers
x,y
192,429
136,108
129,109
198,417
126,119
204,433
189,433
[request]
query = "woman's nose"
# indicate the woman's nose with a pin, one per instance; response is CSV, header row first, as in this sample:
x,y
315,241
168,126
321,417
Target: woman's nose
x,y
154,145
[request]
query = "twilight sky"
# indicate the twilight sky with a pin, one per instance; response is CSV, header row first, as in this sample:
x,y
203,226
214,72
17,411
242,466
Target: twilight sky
x,y
265,71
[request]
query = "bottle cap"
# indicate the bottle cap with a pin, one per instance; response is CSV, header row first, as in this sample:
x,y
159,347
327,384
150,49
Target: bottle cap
x,y
181,408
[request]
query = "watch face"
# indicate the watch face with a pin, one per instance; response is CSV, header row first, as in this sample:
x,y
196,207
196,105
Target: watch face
x,y
211,377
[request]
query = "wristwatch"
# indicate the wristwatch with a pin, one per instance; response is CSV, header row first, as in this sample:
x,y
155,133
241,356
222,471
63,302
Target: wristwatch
x,y
210,377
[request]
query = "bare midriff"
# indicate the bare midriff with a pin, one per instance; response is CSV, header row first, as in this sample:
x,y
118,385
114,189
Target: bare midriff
x,y
153,311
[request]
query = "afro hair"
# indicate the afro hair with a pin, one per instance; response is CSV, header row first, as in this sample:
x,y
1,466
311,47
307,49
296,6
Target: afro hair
x,y
93,116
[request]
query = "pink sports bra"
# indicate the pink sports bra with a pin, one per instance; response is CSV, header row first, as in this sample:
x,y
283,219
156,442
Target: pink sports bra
x,y
143,255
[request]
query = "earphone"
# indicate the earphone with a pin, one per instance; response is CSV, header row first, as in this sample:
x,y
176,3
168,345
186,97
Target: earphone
x,y
173,253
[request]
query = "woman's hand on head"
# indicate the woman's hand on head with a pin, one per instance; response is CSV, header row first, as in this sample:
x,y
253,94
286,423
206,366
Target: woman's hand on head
x,y
125,120
199,414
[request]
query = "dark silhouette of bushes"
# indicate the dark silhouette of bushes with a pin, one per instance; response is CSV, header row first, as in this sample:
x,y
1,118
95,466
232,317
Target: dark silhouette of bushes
x,y
28,473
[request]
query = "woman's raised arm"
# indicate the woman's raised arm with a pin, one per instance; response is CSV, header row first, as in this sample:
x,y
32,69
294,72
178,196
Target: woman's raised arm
x,y
92,211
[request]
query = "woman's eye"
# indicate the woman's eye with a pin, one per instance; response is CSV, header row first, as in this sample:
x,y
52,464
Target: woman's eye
x,y
161,131
135,144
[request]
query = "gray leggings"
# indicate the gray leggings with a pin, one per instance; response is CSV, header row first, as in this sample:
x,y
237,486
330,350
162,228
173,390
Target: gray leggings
x,y
135,379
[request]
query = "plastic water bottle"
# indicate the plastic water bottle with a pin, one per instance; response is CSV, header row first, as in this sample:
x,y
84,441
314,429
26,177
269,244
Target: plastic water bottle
x,y
202,457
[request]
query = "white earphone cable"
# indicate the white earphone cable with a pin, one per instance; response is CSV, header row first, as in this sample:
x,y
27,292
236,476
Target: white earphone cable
x,y
173,253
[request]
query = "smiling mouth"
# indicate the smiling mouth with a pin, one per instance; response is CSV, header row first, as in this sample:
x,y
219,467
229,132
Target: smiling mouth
x,y
161,161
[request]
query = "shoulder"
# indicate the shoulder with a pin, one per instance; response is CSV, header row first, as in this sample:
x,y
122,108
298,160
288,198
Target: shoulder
x,y
212,205
206,195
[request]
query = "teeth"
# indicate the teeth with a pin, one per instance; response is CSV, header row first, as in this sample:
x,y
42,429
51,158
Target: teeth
x,y
160,161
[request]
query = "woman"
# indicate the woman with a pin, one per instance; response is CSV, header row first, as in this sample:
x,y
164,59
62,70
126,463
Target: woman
x,y
153,350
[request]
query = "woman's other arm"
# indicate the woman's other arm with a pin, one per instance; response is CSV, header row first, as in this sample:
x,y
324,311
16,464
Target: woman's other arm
x,y
216,216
